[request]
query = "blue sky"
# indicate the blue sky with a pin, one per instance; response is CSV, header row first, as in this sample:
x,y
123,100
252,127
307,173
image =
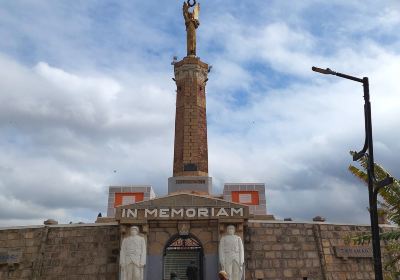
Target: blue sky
x,y
86,89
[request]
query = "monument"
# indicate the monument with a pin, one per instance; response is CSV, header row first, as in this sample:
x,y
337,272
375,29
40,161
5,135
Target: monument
x,y
185,229
133,256
231,254
190,233
190,167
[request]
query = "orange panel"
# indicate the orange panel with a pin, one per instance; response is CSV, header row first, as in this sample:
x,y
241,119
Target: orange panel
x,y
254,197
119,196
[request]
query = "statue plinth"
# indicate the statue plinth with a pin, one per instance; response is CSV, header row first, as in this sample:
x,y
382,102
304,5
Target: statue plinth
x,y
196,184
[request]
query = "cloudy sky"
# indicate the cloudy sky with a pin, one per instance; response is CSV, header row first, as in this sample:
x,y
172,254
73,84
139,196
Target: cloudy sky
x,y
87,101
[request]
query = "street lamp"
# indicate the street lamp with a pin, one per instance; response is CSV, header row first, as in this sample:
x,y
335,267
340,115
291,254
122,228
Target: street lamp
x,y
368,151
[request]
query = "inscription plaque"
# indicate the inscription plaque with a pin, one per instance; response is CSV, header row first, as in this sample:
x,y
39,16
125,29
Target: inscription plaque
x,y
10,257
353,251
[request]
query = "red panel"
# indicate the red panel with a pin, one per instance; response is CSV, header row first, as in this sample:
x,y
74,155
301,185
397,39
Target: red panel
x,y
119,196
254,197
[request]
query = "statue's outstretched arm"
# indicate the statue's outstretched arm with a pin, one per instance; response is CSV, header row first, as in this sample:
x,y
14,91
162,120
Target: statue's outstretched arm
x,y
198,10
196,14
186,11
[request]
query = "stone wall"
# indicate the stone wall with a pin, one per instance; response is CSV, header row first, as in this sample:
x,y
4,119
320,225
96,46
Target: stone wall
x,y
334,268
62,252
290,250
274,250
281,251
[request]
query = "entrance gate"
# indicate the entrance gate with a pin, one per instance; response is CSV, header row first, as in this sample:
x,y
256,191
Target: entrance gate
x,y
180,253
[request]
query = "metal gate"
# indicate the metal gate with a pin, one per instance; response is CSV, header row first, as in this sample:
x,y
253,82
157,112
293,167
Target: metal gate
x,y
180,253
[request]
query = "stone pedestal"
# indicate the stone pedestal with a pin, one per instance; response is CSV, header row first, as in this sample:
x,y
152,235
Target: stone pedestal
x,y
201,184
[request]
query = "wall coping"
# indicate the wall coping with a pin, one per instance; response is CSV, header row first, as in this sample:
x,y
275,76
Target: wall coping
x,y
250,221
316,223
60,226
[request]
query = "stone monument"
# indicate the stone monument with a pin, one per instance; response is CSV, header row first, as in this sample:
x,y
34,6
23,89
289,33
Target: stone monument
x,y
231,254
190,170
133,256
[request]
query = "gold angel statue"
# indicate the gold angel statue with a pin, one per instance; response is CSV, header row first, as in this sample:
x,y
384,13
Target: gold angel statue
x,y
191,22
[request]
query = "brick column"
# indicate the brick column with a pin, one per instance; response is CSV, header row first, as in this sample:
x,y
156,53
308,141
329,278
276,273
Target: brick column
x,y
191,152
190,171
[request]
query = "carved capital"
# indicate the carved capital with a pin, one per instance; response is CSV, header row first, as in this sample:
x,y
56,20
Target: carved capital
x,y
191,71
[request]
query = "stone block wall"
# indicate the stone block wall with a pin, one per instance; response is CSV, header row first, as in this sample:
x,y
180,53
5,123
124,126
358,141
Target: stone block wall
x,y
28,242
335,268
274,250
281,251
62,252
289,250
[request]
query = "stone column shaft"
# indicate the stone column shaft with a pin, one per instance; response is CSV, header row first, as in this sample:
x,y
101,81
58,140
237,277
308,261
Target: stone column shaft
x,y
191,151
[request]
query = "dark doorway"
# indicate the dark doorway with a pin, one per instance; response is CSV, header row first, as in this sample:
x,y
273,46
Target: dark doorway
x,y
180,253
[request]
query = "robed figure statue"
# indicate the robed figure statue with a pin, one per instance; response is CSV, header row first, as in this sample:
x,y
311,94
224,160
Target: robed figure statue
x,y
133,256
191,22
231,254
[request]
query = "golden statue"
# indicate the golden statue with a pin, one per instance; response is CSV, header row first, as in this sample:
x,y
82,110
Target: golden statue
x,y
191,22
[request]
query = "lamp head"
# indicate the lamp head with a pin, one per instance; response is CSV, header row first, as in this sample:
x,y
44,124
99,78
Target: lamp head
x,y
326,71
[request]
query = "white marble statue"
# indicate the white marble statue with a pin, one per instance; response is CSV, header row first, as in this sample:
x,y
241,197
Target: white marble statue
x,y
231,254
133,256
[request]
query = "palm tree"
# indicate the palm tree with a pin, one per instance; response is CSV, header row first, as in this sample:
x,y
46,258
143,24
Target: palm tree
x,y
389,206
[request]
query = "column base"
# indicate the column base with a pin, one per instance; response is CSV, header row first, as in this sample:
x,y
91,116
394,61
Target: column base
x,y
201,184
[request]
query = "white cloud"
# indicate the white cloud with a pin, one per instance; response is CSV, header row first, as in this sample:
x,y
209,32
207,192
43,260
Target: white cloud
x,y
297,139
95,96
64,134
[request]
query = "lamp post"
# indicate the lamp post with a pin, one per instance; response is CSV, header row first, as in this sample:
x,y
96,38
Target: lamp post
x,y
368,151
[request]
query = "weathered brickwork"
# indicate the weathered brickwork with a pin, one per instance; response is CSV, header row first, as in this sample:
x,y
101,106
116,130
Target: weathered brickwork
x,y
335,268
191,152
281,251
274,250
62,252
289,250
28,240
